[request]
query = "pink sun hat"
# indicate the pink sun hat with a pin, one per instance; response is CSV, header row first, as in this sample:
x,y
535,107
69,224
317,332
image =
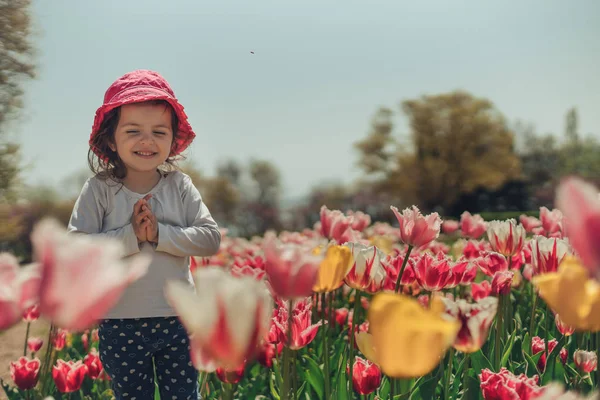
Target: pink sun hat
x,y
139,86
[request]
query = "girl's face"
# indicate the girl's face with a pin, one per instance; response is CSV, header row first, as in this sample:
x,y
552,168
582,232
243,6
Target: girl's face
x,y
143,136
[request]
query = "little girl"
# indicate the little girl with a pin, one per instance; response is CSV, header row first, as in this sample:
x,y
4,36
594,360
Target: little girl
x,y
137,197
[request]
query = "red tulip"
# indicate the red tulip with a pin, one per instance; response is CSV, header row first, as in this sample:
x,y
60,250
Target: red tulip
x,y
268,352
34,344
472,226
502,282
25,372
475,249
366,376
93,363
504,385
581,207
59,339
463,273
32,313
68,375
360,220
562,328
291,269
586,361
18,289
539,345
341,316
547,254
492,262
552,221
417,230
235,316
233,375
88,269
480,290
367,274
432,273
506,237
475,318
302,331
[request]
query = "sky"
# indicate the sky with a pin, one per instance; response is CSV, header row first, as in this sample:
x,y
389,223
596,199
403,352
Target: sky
x,y
319,72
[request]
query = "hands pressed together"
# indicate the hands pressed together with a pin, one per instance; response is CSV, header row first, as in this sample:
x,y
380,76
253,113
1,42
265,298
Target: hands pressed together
x,y
144,221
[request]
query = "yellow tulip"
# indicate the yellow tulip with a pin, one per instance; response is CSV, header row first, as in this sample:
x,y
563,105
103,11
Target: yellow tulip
x,y
364,341
572,294
409,340
333,269
384,243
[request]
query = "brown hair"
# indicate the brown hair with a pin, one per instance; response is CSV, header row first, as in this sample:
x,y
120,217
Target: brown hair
x,y
108,164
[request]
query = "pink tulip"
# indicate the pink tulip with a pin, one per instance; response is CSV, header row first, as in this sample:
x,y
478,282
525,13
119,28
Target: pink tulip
x,y
586,361
303,331
502,282
481,290
529,223
472,226
291,269
580,205
417,230
18,289
34,344
68,375
82,277
450,226
360,220
25,372
552,222
367,273
506,237
334,224
433,273
226,317
491,262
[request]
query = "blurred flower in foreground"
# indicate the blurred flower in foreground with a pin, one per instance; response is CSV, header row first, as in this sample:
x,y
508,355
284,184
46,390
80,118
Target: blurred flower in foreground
x,y
18,289
226,317
333,268
409,340
475,318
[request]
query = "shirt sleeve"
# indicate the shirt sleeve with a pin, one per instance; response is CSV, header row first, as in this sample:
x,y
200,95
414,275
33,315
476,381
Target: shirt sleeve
x,y
87,218
202,238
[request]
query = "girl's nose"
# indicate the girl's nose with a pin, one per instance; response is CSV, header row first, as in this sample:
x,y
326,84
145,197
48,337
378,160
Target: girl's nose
x,y
146,137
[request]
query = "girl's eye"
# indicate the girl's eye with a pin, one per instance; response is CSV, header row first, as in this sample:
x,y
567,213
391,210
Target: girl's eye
x,y
131,131
160,133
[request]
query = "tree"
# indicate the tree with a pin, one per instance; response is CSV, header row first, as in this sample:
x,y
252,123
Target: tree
x,y
375,153
460,143
264,206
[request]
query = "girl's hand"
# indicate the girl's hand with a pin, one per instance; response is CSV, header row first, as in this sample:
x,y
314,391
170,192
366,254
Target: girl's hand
x,y
140,221
152,226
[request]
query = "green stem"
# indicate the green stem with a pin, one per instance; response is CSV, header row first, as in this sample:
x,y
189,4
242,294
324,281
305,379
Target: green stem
x,y
204,377
532,322
294,373
357,297
448,374
404,262
26,339
81,394
392,387
464,372
227,391
547,323
597,353
499,332
325,328
286,353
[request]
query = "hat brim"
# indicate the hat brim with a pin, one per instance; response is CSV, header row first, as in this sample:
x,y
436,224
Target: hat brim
x,y
139,94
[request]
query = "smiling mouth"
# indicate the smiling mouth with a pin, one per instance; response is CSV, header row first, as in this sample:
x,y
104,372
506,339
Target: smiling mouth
x,y
145,154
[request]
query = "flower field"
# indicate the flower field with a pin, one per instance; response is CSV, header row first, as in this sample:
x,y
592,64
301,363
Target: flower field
x,y
347,309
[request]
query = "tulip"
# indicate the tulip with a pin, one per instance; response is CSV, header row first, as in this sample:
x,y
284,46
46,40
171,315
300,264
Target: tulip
x,y
18,289
450,226
570,293
291,269
502,282
360,220
529,223
564,329
25,372
463,273
333,268
555,391
366,376
334,224
233,375
234,315
68,375
302,331
93,363
59,339
364,342
417,230
408,340
585,361
475,319
432,274
547,253
506,237
341,316
492,262
505,385
552,221
581,207
268,352
539,345
367,274
480,290
34,344
32,313
472,226
89,269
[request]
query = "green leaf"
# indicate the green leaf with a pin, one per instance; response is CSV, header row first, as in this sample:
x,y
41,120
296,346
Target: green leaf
x,y
473,387
314,376
384,388
479,361
509,346
300,390
272,388
532,362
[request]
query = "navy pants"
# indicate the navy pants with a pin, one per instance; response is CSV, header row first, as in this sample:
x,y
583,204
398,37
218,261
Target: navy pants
x,y
131,350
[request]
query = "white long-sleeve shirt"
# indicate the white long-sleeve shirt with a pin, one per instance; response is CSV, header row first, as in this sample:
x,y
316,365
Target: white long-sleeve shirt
x,y
185,228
